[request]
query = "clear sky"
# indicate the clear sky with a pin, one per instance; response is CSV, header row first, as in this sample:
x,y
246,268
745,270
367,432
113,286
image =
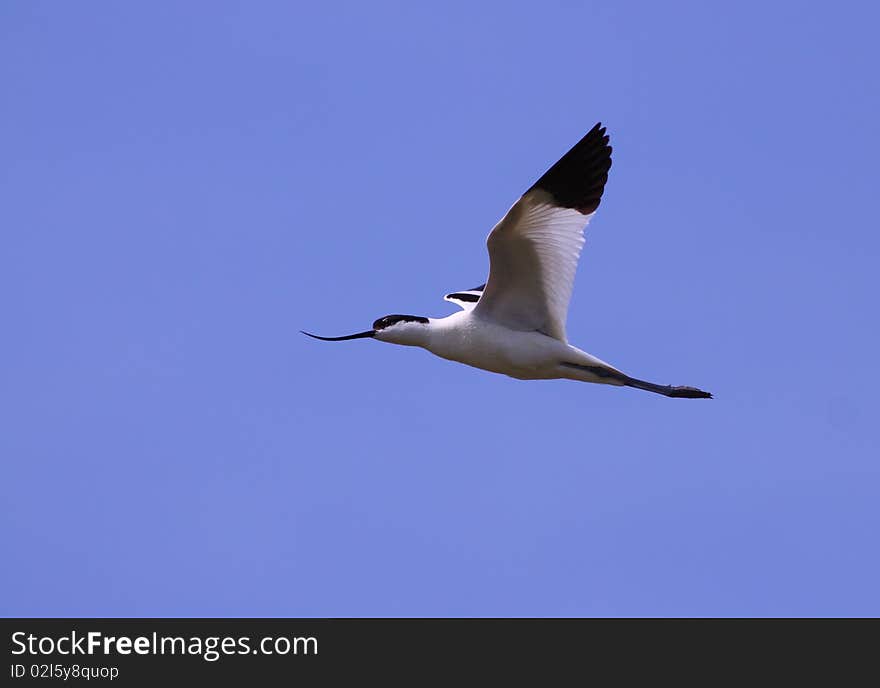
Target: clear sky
x,y
185,186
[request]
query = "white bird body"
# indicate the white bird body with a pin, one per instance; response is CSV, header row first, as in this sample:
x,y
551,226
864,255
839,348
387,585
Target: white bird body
x,y
467,338
515,323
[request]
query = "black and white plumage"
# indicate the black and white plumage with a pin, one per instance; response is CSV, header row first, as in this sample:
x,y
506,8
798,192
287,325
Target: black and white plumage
x,y
467,299
514,324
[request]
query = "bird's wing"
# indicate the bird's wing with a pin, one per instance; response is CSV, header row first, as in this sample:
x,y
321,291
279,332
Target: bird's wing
x,y
466,299
534,249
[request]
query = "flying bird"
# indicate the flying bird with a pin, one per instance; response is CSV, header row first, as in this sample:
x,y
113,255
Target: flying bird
x,y
514,324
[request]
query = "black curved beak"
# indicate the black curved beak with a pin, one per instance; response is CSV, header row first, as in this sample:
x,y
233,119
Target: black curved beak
x,y
359,335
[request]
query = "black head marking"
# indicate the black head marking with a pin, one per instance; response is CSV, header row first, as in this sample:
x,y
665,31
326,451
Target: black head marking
x,y
389,320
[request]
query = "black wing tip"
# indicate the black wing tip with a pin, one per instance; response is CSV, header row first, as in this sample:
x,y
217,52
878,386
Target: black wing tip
x,y
462,296
467,294
577,180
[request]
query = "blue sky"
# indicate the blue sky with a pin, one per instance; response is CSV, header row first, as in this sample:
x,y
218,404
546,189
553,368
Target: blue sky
x,y
185,186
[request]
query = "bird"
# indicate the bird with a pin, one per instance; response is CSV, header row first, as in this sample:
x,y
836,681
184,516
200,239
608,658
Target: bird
x,y
514,323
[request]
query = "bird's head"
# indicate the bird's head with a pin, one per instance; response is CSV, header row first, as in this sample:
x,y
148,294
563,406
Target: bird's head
x,y
408,330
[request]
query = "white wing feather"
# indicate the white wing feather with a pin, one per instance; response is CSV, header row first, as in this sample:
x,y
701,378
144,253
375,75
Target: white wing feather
x,y
467,298
533,252
464,305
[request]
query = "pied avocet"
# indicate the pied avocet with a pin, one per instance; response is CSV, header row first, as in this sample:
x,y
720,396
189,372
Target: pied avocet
x,y
515,323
